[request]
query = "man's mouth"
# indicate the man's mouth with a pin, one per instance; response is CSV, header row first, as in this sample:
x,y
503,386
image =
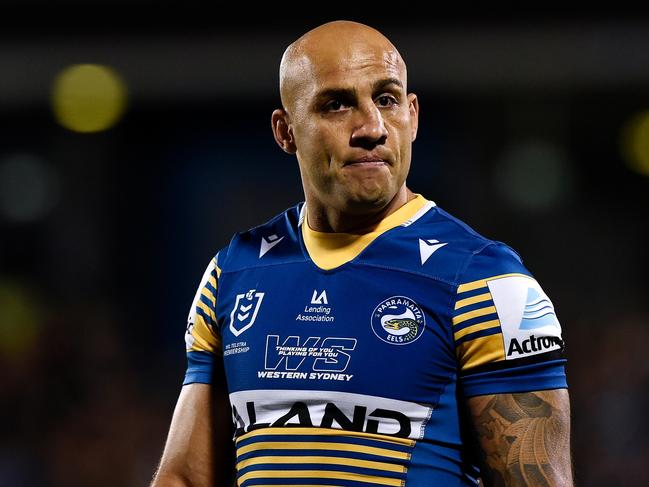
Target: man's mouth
x,y
367,161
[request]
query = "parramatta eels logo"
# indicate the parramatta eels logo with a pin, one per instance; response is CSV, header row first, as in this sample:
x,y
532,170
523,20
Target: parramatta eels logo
x,y
398,320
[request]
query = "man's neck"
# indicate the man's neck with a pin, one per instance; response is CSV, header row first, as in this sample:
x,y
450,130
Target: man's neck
x,y
323,219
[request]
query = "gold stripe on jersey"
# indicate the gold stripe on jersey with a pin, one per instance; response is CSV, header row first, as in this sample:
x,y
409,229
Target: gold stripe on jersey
x,y
208,311
293,453
320,474
306,445
473,314
325,432
470,286
461,303
389,467
208,294
480,351
204,337
205,340
485,325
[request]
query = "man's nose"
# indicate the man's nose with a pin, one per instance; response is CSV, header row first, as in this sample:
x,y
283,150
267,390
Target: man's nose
x,y
369,129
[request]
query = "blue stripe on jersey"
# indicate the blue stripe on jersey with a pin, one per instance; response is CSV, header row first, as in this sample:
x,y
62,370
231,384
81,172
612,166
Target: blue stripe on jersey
x,y
475,321
339,467
526,378
199,368
308,481
326,439
205,300
323,453
473,292
211,288
478,334
471,307
206,317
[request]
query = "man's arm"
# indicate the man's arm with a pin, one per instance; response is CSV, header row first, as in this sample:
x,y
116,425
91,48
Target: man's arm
x,y
525,438
197,451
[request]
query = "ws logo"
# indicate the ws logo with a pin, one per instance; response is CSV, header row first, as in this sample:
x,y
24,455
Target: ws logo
x,y
328,355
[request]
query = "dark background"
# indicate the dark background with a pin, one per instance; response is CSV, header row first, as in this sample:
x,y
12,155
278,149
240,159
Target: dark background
x,y
522,116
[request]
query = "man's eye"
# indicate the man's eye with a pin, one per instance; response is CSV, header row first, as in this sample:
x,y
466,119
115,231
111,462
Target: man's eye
x,y
385,101
335,105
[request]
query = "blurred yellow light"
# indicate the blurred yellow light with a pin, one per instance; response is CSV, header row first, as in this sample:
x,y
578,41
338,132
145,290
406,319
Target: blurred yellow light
x,y
88,98
635,143
19,320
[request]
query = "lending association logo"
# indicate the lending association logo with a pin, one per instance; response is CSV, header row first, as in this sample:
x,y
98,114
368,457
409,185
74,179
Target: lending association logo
x,y
320,313
398,320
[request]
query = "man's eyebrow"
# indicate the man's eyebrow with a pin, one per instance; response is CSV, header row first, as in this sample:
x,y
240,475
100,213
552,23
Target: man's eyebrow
x,y
384,83
335,93
351,93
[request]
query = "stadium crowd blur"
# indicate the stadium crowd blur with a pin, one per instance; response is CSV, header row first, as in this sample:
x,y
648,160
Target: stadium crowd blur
x,y
534,131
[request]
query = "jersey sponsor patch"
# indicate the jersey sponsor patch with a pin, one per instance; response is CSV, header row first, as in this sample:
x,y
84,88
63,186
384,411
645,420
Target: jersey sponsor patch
x,y
318,309
312,358
398,320
527,317
328,409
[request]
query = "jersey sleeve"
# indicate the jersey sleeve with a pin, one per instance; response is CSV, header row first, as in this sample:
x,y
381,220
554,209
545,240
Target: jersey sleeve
x,y
506,332
202,339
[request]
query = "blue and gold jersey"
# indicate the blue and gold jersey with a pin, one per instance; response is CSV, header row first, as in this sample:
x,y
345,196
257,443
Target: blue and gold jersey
x,y
349,357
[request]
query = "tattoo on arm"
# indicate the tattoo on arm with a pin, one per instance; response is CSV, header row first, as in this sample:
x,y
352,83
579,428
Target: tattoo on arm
x,y
525,437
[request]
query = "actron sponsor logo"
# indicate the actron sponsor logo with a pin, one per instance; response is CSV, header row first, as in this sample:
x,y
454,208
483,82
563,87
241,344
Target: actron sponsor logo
x,y
533,344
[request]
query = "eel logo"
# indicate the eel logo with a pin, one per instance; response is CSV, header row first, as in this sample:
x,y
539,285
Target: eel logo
x,y
398,320
245,311
400,326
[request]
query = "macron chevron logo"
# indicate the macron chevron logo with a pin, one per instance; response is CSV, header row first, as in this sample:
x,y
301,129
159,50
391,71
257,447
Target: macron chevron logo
x,y
428,247
268,243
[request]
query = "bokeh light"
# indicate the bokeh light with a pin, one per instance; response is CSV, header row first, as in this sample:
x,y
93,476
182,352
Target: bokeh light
x,y
19,320
29,188
635,143
533,175
88,98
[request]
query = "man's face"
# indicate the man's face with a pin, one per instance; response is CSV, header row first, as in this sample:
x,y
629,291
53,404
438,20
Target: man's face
x,y
353,124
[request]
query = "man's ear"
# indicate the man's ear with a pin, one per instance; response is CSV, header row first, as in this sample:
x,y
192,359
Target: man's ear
x,y
413,107
282,131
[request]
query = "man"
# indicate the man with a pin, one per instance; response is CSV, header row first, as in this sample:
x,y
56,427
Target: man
x,y
368,337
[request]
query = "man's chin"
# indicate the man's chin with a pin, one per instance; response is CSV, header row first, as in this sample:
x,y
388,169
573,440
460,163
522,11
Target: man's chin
x,y
366,201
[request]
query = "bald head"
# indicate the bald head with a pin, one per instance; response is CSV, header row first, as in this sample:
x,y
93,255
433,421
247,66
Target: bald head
x,y
349,120
330,47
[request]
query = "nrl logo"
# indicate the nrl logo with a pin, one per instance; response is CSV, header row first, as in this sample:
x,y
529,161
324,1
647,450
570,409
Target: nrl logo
x,y
245,311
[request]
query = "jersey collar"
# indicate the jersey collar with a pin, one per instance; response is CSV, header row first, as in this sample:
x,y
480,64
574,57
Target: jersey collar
x,y
331,250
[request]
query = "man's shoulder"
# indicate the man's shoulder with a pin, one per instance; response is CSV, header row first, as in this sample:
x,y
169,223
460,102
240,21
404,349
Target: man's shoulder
x,y
442,223
480,256
438,245
274,241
